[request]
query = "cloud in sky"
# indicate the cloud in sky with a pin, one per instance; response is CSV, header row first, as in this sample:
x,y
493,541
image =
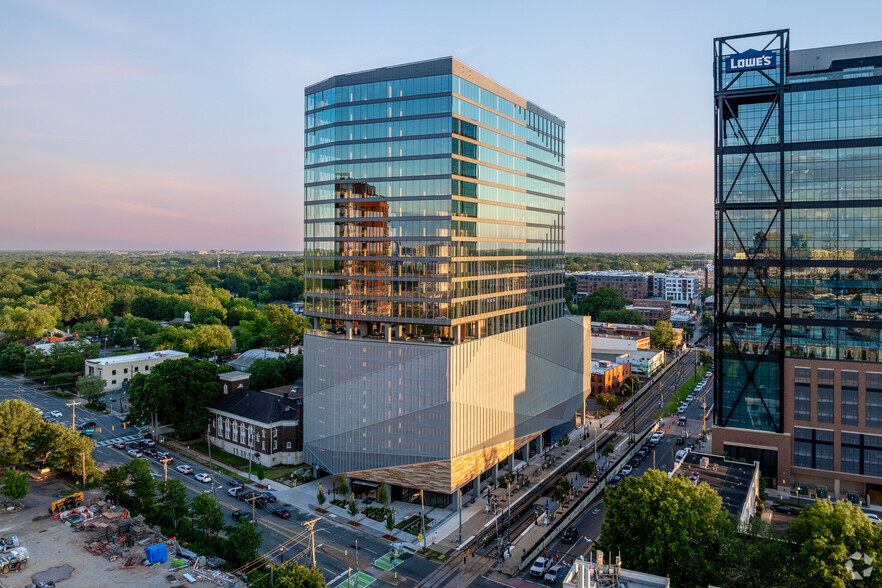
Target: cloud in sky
x,y
639,197
180,124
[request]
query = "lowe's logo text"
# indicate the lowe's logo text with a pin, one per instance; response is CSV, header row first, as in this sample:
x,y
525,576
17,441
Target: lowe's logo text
x,y
751,59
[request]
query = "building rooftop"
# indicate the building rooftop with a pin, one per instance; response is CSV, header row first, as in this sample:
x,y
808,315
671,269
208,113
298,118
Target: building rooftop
x,y
263,407
246,358
589,574
824,58
730,479
117,359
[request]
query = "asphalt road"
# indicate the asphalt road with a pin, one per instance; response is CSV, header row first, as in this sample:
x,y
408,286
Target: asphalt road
x,y
662,457
335,544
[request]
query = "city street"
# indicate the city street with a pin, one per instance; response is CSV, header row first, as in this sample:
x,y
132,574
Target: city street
x,y
335,543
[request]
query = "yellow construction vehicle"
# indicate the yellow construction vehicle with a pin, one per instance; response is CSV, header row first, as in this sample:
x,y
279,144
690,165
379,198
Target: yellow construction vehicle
x,y
67,503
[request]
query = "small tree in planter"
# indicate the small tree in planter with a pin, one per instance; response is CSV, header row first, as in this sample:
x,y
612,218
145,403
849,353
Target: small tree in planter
x,y
344,487
382,494
321,495
353,507
390,519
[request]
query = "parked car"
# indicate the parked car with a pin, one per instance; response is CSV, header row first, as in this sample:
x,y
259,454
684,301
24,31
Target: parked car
x,y
635,461
641,455
184,469
555,574
690,398
204,478
874,518
119,445
681,409
56,413
786,509
540,567
241,515
269,497
135,453
570,535
626,471
282,513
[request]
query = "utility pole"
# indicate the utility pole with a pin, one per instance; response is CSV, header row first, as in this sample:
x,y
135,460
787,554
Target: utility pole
x,y
422,515
311,526
165,465
73,419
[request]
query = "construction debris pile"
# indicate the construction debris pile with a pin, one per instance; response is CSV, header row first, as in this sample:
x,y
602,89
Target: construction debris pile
x,y
111,533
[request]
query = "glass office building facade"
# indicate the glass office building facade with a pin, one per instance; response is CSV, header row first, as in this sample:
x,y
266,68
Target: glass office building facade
x,y
434,268
798,161
434,204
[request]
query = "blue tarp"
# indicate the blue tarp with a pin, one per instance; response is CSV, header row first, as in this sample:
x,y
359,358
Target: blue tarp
x,y
157,554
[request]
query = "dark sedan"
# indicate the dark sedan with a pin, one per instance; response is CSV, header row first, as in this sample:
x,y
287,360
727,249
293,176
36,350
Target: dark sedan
x,y
570,535
236,483
269,497
119,445
282,513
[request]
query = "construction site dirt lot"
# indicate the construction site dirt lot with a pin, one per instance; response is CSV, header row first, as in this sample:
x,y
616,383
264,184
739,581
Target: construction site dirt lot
x,y
52,544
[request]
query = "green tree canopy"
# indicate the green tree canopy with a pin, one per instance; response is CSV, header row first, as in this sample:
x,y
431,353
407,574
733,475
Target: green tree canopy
x,y
21,322
665,526
20,423
828,533
115,482
176,392
269,373
298,576
91,387
662,336
142,485
173,500
207,514
15,484
81,299
205,339
623,316
12,359
245,538
600,301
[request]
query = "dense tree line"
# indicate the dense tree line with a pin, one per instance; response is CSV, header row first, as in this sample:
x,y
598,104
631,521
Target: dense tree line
x,y
122,299
643,262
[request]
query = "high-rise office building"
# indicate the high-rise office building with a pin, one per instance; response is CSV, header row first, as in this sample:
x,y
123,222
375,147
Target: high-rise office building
x,y
798,287
434,273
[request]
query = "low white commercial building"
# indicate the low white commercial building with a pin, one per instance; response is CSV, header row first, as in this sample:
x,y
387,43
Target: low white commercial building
x,y
115,371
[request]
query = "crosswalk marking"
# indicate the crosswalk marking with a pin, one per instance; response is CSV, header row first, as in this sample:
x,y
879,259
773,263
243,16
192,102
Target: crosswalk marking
x,y
126,439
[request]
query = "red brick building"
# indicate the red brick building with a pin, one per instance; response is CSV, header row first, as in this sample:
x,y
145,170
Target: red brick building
x,y
631,285
652,311
607,377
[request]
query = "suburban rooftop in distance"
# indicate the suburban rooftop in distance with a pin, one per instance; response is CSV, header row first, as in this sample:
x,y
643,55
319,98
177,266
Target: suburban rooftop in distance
x,y
165,354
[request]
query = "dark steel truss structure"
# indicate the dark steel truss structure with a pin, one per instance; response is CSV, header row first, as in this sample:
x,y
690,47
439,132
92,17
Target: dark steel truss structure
x,y
749,236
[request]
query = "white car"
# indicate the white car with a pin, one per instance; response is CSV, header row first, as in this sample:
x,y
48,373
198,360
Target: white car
x,y
135,453
626,471
540,567
690,398
874,518
204,478
184,469
56,413
680,455
234,491
681,409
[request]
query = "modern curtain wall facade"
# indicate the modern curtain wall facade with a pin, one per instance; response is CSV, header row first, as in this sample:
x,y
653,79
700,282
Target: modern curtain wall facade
x,y
798,149
434,203
434,218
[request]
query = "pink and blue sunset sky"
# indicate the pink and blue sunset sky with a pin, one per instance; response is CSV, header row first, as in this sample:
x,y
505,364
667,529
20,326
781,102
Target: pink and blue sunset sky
x,y
179,125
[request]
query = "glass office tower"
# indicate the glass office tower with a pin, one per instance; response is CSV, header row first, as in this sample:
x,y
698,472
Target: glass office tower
x,y
434,217
798,149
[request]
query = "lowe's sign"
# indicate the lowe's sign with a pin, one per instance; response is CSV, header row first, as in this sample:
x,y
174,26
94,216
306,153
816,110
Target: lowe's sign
x,y
751,59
